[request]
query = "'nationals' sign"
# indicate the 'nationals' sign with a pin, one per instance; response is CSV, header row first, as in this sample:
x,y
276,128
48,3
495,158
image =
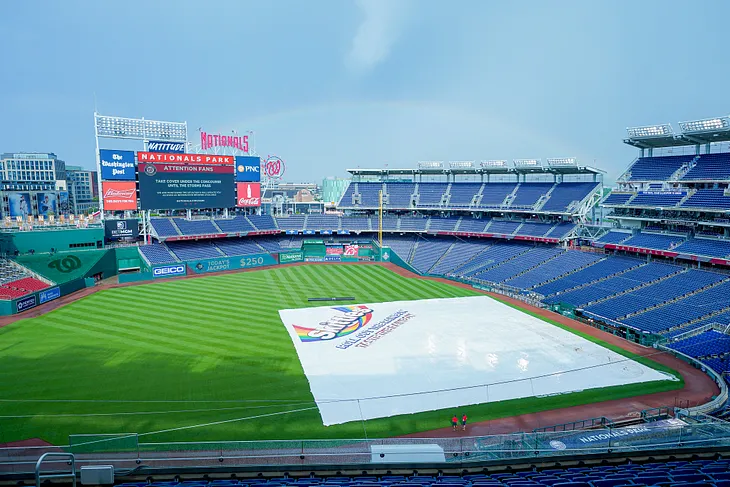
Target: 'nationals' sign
x,y
184,158
208,141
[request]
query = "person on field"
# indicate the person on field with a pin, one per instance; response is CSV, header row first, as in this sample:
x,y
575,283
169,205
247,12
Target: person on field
x,y
463,422
454,422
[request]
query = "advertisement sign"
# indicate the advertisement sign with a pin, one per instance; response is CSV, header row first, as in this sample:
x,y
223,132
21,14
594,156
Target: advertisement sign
x,y
169,270
63,206
180,186
116,229
248,169
231,263
334,251
25,303
117,164
19,204
49,295
47,203
289,257
249,194
333,258
163,157
119,195
274,167
158,146
351,250
209,141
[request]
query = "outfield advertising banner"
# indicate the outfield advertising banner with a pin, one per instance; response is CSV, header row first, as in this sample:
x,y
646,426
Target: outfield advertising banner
x,y
19,204
49,295
333,258
248,195
25,303
248,169
231,263
169,270
119,195
47,203
160,146
117,164
181,186
289,257
63,206
116,229
172,158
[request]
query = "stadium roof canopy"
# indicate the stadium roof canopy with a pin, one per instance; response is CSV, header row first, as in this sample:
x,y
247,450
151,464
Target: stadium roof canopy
x,y
695,132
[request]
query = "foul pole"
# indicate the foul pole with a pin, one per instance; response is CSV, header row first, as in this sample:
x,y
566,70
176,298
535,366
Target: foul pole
x,y
380,218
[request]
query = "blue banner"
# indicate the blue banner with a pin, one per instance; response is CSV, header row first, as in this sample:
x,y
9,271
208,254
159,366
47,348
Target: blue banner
x,y
49,295
25,303
117,164
248,169
332,258
160,146
169,270
231,263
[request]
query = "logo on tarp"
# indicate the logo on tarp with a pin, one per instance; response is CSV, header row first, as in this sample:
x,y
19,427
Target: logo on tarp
x,y
65,265
349,320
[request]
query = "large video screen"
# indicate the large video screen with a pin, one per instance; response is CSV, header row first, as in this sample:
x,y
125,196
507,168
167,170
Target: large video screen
x,y
181,186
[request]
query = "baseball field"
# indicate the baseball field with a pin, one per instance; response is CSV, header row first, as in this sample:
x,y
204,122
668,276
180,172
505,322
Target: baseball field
x,y
209,359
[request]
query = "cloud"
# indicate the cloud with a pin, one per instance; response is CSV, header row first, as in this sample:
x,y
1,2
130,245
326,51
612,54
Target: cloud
x,y
382,24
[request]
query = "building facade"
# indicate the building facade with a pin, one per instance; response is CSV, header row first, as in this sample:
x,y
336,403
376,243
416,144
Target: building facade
x,y
32,184
83,188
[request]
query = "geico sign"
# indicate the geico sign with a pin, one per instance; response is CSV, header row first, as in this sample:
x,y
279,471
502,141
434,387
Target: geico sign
x,y
172,270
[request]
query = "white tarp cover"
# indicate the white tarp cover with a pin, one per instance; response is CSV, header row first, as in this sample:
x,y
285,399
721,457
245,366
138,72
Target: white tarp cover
x,y
383,359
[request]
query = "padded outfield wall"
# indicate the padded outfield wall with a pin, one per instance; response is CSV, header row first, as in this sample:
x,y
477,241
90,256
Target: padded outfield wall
x,y
60,240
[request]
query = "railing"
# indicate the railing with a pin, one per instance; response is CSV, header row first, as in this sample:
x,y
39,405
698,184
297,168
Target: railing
x,y
693,432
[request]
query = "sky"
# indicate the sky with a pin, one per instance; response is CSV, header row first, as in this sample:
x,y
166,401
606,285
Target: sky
x,y
334,84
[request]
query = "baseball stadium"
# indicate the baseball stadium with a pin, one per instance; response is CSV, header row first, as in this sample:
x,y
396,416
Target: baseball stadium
x,y
488,323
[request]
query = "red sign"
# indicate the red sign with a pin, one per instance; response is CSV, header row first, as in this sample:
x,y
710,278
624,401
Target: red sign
x,y
152,169
119,195
208,141
351,250
248,194
274,167
333,251
183,158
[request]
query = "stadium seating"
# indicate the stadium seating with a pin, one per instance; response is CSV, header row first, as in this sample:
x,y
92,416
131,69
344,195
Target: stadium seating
x,y
164,227
658,198
322,222
195,227
400,194
462,194
238,246
472,225
187,250
535,229
708,199
527,195
157,254
565,194
263,222
369,194
615,237
431,194
657,168
617,198
413,224
237,224
355,224
565,263
503,272
390,222
706,247
428,252
458,255
443,224
653,241
600,270
714,167
401,245
494,255
705,344
503,227
561,230
291,222
21,287
494,194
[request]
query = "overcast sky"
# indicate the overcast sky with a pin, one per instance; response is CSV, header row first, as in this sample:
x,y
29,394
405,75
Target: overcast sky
x,y
333,84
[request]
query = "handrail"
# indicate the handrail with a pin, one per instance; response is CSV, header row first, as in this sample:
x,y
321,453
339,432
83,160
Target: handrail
x,y
71,475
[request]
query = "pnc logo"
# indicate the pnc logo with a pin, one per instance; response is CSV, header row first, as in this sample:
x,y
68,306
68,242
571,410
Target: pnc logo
x,y
242,168
350,319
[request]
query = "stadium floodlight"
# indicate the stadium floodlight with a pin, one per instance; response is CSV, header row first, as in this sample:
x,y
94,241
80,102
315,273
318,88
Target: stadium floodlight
x,y
562,161
526,162
705,125
140,129
662,130
493,163
461,164
430,165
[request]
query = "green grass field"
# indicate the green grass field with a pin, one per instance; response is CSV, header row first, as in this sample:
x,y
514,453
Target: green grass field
x,y
176,354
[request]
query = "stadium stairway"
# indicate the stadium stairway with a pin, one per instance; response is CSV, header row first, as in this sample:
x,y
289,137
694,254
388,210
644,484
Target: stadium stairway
x,y
510,197
215,225
636,288
674,299
441,257
544,198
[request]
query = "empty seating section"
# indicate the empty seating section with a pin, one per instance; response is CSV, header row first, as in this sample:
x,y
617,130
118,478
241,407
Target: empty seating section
x,y
389,223
705,246
519,264
658,199
238,246
613,285
237,224
462,194
431,194
355,223
262,222
164,227
195,227
614,237
503,228
323,222
565,263
693,307
561,230
399,194
535,229
427,252
617,198
443,224
271,244
186,250
599,270
655,294
401,245
564,194
705,344
491,257
494,194
347,197
414,224
292,222
528,194
21,287
369,194
472,225
710,167
459,254
653,241
657,168
708,198
157,254
10,272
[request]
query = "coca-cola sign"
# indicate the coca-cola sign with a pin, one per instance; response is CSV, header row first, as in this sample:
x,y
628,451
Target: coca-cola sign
x,y
248,195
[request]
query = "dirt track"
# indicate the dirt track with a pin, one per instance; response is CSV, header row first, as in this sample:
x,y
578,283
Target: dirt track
x,y
698,387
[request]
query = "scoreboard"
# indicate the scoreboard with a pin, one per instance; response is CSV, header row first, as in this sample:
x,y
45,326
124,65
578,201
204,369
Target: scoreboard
x,y
169,186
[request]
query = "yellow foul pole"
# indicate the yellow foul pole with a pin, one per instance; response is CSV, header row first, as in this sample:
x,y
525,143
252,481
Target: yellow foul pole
x,y
380,218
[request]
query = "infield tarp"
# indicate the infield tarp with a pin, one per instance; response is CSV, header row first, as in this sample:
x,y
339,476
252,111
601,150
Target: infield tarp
x,y
384,359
